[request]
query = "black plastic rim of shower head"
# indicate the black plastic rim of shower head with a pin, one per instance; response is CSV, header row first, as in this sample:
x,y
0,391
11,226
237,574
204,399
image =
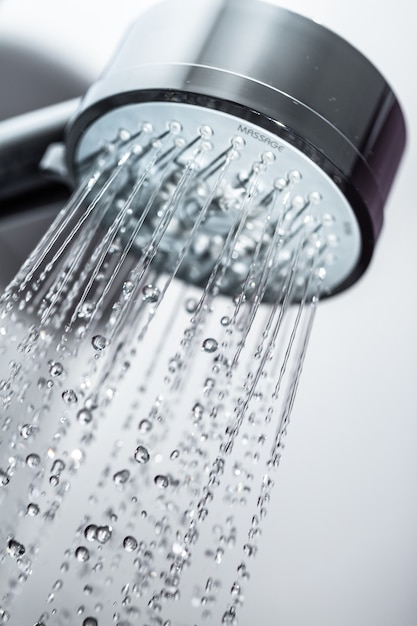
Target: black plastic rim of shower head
x,y
272,68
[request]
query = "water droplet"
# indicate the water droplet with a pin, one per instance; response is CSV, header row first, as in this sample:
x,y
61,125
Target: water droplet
x,y
130,544
120,478
218,557
191,305
202,513
174,364
55,369
27,431
41,383
206,131
4,615
142,455
242,570
294,176
249,549
99,342
174,454
314,197
150,293
298,202
225,320
82,554
229,617
209,384
32,509
90,533
198,411
58,466
161,481
327,219
86,309
127,287
84,416
210,345
15,549
69,396
33,460
34,335
145,426
235,590
103,534
4,478
90,621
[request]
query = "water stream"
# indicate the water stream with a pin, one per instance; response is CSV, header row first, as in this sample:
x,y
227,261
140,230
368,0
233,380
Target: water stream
x,y
148,369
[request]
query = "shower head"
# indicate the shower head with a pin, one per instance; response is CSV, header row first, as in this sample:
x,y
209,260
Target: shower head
x,y
292,110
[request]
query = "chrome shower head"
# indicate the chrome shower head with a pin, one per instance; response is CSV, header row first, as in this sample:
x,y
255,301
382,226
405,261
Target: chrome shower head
x,y
296,115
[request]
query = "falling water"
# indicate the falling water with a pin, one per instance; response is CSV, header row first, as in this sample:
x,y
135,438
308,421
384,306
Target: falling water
x,y
151,349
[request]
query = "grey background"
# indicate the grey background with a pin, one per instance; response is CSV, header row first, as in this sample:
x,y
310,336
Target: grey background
x,y
339,545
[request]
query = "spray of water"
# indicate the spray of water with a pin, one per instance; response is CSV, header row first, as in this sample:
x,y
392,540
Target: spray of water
x,y
146,385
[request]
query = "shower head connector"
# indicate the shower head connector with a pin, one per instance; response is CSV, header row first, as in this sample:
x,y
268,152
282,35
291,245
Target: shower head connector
x,y
309,131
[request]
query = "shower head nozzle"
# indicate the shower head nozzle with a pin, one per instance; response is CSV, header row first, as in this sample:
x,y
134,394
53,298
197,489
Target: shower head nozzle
x,y
271,113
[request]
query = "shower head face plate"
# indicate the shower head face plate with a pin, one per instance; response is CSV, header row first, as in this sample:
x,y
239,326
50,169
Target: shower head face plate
x,y
225,175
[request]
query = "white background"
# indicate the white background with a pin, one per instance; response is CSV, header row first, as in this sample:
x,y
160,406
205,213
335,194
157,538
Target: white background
x,y
340,542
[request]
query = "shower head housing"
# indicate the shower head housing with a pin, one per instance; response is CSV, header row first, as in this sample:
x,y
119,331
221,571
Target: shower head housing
x,y
289,102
